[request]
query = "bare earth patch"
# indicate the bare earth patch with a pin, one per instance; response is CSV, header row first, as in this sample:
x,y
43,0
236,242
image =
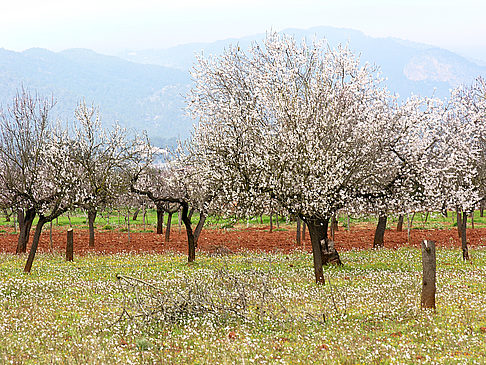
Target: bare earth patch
x,y
253,239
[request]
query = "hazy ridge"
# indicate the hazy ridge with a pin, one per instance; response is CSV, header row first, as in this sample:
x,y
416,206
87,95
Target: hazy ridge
x,y
144,90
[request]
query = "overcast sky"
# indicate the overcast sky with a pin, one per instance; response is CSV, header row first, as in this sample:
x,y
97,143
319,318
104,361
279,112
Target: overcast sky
x,y
109,26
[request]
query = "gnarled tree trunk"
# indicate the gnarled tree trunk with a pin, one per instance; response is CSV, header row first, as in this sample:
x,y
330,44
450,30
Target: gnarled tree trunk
x,y
459,223
400,223
298,238
465,252
167,228
192,236
91,222
322,249
191,244
160,219
334,223
35,243
379,240
135,214
25,224
199,227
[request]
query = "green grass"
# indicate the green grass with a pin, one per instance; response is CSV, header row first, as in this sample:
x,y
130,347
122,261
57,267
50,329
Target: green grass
x,y
67,312
115,220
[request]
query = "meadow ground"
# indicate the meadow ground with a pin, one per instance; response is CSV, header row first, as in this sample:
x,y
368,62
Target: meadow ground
x,y
257,304
264,308
236,239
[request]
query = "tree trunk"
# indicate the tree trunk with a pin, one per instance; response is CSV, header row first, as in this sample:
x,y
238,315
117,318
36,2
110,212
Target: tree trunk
x,y
191,245
50,237
144,214
160,220
332,229
271,223
299,242
199,227
335,223
379,240
318,235
128,225
179,219
426,216
91,228
303,230
429,274
465,253
459,223
400,223
409,226
167,228
35,243
323,252
481,208
25,224
135,214
191,213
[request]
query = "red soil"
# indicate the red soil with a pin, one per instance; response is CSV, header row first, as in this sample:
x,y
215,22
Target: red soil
x,y
254,239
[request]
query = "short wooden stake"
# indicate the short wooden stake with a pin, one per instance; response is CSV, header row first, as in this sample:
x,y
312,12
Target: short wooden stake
x,y
428,277
70,245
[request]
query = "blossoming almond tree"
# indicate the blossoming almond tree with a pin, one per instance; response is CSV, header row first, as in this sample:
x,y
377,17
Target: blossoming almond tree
x,y
174,185
304,125
40,166
60,188
24,128
103,155
414,146
464,146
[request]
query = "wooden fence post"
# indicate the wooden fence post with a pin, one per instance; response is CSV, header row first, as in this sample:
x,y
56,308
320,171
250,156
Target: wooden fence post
x,y
70,245
428,278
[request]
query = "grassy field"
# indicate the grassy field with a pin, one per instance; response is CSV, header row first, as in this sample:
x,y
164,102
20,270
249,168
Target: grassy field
x,y
116,220
245,308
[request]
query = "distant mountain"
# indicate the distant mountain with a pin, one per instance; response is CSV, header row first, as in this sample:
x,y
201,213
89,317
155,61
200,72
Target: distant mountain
x,y
144,90
140,97
409,67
